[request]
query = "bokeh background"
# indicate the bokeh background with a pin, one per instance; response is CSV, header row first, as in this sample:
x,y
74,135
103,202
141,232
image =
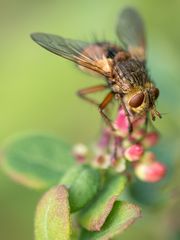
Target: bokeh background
x,y
37,92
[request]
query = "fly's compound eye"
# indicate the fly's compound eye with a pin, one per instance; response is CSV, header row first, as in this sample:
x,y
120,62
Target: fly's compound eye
x,y
155,93
137,100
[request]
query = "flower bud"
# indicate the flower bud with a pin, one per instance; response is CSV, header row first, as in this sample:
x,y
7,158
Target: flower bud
x,y
102,161
150,139
121,123
151,172
80,152
139,122
134,152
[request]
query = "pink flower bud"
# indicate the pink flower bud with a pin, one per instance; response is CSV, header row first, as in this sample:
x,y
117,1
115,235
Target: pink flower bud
x,y
121,123
151,172
150,139
139,122
80,152
134,152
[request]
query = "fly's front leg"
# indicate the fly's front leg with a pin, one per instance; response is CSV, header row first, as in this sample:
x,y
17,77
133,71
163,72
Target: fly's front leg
x,y
146,123
127,114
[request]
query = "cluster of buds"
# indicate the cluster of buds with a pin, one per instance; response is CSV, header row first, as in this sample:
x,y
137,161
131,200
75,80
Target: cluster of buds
x,y
122,150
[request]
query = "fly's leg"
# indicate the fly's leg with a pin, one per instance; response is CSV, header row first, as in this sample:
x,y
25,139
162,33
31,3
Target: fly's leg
x,y
103,105
146,123
83,92
127,114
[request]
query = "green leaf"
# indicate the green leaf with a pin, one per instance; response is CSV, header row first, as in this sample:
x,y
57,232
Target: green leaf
x,y
83,183
121,217
52,220
36,160
94,216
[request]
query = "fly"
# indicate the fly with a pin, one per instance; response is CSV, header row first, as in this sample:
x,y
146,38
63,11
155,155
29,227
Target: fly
x,y
123,67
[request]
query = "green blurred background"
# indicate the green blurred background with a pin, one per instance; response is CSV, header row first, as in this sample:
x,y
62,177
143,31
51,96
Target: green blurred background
x,y
37,92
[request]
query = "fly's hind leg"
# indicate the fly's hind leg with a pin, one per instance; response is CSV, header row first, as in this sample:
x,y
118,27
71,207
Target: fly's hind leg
x,y
83,93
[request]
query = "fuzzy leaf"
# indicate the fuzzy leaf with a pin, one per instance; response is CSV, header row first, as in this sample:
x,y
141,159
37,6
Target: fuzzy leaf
x,y
52,220
83,183
36,160
94,216
121,217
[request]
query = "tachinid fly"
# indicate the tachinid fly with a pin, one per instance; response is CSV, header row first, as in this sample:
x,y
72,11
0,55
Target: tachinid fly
x,y
123,67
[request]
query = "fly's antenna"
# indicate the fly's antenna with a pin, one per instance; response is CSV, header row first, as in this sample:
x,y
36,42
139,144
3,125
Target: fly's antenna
x,y
155,113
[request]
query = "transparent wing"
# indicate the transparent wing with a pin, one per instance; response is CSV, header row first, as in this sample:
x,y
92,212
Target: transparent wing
x,y
75,51
130,30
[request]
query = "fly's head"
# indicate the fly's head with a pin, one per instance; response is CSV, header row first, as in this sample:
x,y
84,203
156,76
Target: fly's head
x,y
139,93
140,100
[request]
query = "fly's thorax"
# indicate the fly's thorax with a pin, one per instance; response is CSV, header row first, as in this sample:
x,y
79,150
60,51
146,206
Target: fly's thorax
x,y
131,71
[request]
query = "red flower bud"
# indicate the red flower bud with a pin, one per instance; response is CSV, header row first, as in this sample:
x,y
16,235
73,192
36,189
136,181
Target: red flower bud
x,y
150,139
134,152
150,172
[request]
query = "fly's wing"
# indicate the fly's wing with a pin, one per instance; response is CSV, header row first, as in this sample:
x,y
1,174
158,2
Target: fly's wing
x,y
89,56
130,30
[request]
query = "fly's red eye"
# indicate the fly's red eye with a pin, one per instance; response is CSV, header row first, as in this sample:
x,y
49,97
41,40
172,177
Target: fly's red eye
x,y
156,93
136,100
